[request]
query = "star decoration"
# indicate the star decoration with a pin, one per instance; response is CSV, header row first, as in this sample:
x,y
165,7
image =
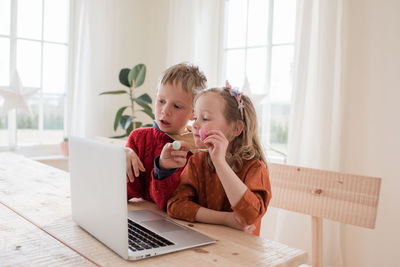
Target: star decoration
x,y
257,99
16,97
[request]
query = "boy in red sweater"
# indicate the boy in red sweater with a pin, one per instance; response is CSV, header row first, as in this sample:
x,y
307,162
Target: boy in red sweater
x,y
149,176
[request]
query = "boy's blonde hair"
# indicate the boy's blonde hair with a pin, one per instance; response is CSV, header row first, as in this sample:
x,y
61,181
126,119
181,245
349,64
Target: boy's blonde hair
x,y
245,146
192,79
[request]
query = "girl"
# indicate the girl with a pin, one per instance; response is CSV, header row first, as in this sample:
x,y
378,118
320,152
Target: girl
x,y
228,183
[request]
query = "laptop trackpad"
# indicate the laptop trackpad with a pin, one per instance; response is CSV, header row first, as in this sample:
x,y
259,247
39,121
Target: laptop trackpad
x,y
162,226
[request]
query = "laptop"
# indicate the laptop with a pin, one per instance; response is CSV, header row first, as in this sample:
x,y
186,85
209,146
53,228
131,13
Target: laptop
x,y
99,206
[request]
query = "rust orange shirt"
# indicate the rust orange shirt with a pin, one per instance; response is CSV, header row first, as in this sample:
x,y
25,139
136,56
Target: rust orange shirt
x,y
200,187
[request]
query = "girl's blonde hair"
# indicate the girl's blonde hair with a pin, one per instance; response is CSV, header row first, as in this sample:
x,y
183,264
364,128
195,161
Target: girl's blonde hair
x,y
245,146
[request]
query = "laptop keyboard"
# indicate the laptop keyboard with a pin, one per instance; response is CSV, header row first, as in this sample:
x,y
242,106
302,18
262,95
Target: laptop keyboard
x,y
141,238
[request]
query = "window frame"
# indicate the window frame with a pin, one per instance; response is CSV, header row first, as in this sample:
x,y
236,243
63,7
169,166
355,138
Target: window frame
x,y
266,110
39,148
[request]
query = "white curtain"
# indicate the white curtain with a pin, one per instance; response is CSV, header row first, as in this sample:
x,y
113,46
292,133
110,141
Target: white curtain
x,y
315,127
115,34
195,35
95,64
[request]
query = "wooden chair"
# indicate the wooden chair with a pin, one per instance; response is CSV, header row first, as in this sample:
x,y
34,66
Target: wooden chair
x,y
346,198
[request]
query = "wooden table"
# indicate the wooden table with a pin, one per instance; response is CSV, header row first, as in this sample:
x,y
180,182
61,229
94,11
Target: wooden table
x,y
36,228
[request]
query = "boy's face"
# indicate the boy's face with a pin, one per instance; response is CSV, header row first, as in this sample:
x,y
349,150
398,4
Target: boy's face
x,y
208,115
174,108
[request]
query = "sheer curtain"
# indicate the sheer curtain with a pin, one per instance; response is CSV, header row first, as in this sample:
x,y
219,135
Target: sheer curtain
x,y
91,60
195,35
114,34
315,127
106,40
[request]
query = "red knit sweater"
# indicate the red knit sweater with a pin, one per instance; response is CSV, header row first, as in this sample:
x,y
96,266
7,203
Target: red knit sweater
x,y
148,143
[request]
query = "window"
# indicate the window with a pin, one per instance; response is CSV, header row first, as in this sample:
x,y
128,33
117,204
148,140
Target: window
x,y
258,52
34,43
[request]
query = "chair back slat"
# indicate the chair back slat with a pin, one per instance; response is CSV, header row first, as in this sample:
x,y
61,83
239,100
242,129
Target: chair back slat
x,y
342,197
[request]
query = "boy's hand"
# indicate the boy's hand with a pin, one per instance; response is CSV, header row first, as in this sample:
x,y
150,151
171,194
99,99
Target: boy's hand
x,y
171,158
133,162
234,221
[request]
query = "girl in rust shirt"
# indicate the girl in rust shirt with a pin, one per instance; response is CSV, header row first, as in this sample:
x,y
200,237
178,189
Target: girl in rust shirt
x,y
227,182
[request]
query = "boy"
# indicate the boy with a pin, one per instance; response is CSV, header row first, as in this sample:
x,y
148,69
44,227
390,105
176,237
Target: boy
x,y
149,176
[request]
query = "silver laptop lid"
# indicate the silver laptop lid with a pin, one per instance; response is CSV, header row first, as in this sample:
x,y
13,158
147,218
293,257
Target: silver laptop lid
x,y
99,201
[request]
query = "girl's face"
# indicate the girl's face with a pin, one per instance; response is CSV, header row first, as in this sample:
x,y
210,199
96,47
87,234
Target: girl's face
x,y
208,115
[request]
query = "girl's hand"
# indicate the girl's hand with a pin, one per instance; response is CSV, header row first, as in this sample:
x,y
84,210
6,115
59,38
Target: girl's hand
x,y
171,158
132,162
234,221
217,144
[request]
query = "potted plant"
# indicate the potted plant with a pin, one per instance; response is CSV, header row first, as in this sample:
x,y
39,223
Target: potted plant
x,y
125,118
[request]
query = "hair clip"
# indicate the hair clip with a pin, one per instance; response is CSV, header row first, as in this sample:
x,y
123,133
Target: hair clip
x,y
227,85
237,95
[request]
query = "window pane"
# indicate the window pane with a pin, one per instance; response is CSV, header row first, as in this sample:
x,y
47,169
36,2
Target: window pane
x,y
235,67
4,61
256,69
3,129
5,17
281,74
284,21
56,20
3,118
53,110
28,62
279,124
236,23
54,68
29,19
258,22
27,126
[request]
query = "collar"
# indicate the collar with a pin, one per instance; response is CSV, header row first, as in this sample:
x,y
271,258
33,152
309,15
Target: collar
x,y
187,136
155,125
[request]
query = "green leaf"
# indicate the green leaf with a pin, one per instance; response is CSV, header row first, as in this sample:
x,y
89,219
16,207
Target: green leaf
x,y
125,121
114,92
138,124
144,105
145,98
118,117
147,125
137,74
147,109
119,136
123,77
129,130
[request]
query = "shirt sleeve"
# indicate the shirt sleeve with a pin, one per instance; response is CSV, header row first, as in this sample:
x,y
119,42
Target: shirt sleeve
x,y
182,204
160,174
253,205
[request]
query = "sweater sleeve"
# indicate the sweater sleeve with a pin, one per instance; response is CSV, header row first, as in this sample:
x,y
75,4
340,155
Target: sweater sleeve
x,y
253,205
161,190
182,204
134,189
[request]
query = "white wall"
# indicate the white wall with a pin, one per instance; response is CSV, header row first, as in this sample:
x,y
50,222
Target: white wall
x,y
371,129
